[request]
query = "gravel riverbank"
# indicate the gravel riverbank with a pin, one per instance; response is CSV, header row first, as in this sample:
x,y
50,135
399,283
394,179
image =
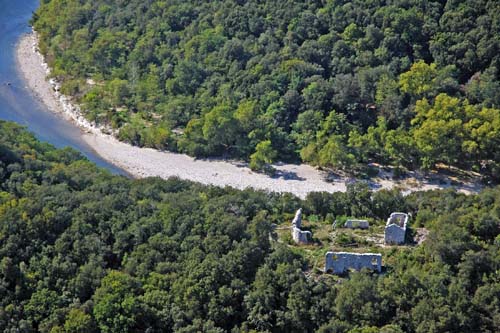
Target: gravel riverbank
x,y
145,162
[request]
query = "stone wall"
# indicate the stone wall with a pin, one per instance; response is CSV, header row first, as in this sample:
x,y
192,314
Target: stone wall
x,y
297,220
340,262
394,234
360,224
400,219
301,237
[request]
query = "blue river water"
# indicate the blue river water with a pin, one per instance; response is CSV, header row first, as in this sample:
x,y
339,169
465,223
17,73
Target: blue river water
x,y
17,103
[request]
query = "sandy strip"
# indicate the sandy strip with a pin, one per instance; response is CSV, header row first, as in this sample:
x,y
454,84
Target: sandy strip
x,y
145,162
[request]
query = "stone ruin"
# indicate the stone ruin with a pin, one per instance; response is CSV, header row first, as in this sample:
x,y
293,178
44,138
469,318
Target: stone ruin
x,y
357,224
340,262
297,220
299,236
395,228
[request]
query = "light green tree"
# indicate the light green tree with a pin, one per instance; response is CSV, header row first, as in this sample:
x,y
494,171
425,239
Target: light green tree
x,y
116,305
220,129
419,80
262,158
439,130
78,321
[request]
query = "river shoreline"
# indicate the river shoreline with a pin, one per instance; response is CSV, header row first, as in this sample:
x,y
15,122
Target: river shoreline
x,y
145,162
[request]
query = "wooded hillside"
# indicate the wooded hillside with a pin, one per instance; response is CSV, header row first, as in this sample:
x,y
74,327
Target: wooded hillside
x,y
333,83
84,251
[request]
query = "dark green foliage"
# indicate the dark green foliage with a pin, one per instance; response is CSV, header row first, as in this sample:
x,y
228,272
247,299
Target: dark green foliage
x,y
334,83
84,251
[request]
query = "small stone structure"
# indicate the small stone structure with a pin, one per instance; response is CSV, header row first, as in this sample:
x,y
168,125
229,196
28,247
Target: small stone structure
x,y
357,224
340,262
299,236
395,229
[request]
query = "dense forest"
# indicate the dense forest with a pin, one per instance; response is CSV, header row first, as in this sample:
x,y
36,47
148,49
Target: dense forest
x,y
82,250
332,83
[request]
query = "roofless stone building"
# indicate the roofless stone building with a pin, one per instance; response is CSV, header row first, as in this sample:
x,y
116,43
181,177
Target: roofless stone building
x,y
395,228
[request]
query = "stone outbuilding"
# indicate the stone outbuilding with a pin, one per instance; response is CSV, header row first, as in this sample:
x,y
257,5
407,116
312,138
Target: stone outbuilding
x,y
357,224
395,228
340,262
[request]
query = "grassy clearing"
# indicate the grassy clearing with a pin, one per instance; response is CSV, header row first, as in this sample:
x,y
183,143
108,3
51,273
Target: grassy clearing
x,y
327,237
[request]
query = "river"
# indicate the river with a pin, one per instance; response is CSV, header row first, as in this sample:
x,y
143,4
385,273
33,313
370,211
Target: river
x,y
18,104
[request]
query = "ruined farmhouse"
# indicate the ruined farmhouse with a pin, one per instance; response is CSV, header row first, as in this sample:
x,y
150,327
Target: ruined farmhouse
x,y
341,262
